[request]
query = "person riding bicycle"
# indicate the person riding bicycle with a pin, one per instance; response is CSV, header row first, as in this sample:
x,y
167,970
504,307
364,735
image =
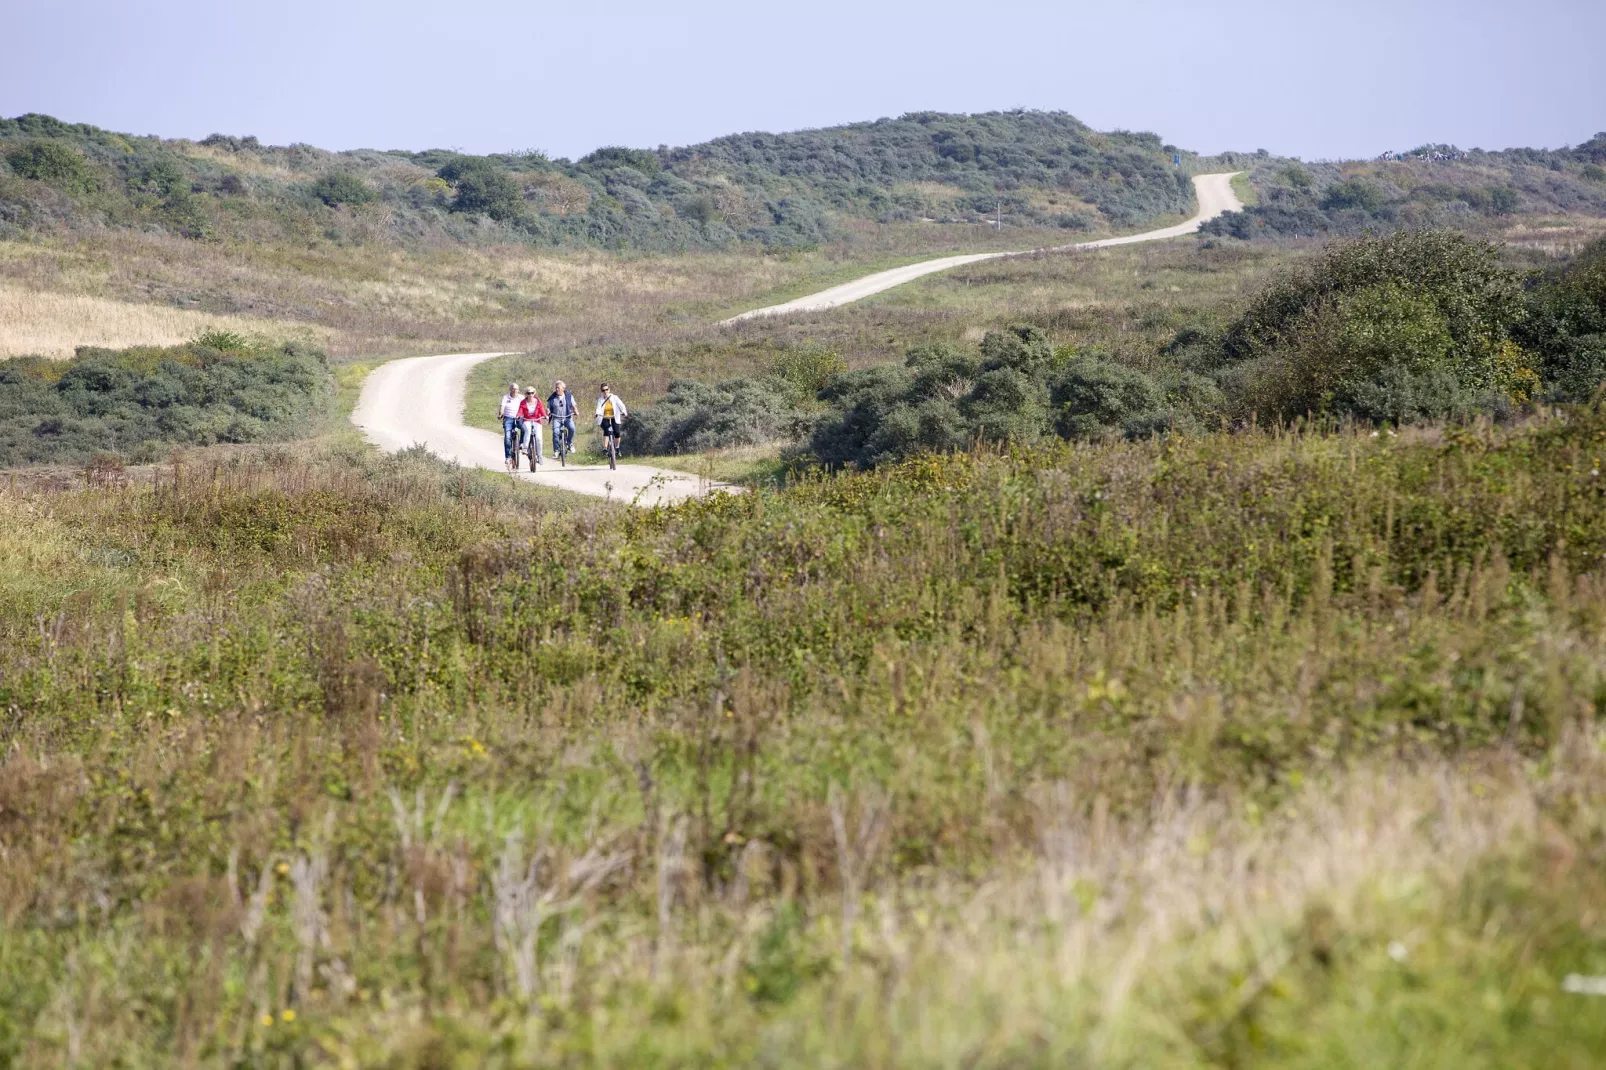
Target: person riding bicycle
x,y
508,413
532,414
561,409
611,415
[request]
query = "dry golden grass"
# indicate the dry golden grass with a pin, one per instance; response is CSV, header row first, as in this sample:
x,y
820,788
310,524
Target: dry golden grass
x,y
368,297
39,323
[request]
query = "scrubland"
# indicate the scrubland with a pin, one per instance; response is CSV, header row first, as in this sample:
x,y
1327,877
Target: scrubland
x,y
1247,749
1274,745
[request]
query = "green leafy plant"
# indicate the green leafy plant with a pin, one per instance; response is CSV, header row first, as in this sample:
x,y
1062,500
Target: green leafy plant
x,y
338,187
55,164
482,188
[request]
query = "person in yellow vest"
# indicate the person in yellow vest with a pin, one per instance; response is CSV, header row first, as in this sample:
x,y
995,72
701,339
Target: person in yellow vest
x,y
611,414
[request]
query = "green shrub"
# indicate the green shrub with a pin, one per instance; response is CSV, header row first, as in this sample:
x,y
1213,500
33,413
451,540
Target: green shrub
x,y
216,389
1025,349
54,164
1008,404
1353,194
1094,397
340,188
694,416
808,369
482,188
1503,200
1565,324
614,156
1425,301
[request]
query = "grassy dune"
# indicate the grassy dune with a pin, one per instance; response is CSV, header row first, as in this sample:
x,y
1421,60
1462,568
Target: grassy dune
x,y
125,288
1242,750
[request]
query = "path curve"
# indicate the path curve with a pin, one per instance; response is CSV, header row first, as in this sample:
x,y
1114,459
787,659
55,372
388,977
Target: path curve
x,y
419,400
1215,197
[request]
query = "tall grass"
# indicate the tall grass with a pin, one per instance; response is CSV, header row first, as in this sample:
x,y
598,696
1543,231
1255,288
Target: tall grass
x,y
1241,750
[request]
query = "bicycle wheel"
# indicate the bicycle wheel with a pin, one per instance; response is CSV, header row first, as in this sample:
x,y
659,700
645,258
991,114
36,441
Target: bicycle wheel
x,y
613,452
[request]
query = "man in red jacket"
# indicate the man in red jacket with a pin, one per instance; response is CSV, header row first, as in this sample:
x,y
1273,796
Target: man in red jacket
x,y
532,414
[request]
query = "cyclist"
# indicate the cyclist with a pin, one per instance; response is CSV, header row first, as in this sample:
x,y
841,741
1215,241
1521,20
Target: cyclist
x,y
561,409
532,414
508,413
611,415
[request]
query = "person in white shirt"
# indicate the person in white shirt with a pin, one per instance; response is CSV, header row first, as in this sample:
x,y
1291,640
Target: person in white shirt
x,y
611,414
508,413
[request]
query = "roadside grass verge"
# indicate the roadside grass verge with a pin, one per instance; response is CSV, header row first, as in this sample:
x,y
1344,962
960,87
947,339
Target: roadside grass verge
x,y
1245,190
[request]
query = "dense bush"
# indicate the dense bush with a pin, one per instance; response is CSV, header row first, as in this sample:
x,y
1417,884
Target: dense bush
x,y
1435,306
778,405
693,416
134,401
340,188
1565,325
53,163
1014,388
482,188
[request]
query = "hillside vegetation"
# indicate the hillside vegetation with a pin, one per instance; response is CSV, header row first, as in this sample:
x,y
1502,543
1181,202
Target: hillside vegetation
x,y
114,240
1411,327
130,404
1046,169
1099,689
1242,750
1432,186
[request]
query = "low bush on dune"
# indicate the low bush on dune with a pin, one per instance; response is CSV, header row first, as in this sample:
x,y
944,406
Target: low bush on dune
x,y
135,402
778,405
1422,316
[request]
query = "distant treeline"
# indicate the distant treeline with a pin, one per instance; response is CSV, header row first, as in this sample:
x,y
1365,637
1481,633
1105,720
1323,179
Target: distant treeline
x,y
1042,169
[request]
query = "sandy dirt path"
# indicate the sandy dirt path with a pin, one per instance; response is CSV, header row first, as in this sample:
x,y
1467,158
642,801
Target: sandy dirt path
x,y
420,400
1215,197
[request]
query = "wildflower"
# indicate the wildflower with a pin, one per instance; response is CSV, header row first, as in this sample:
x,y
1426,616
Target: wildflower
x,y
267,1020
288,1015
282,868
1397,951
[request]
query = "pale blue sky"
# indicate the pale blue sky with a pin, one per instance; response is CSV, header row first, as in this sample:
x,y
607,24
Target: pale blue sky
x,y
1314,79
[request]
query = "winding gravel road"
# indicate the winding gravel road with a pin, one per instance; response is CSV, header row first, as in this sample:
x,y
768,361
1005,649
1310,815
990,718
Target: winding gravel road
x,y
419,400
1215,197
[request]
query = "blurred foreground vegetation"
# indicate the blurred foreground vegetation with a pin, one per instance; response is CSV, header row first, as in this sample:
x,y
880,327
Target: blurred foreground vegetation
x,y
1227,750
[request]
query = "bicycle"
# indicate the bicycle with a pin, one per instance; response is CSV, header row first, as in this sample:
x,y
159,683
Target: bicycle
x,y
532,448
561,442
610,440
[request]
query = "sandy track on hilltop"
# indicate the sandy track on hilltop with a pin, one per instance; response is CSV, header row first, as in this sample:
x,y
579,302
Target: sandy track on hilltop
x,y
419,400
1215,197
